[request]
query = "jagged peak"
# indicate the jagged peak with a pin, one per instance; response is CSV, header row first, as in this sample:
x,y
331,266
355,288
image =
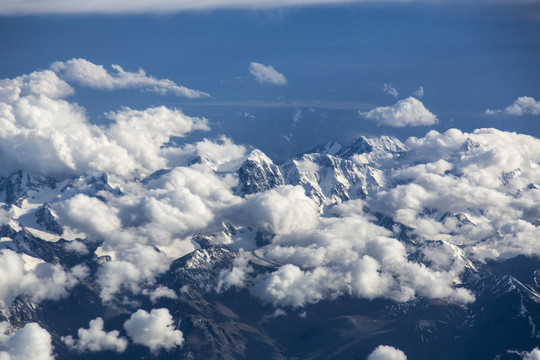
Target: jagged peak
x,y
379,145
258,155
470,144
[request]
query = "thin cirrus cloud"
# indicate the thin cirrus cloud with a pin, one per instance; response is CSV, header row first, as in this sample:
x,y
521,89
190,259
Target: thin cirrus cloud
x,y
95,76
406,112
390,90
266,74
523,105
125,6
20,7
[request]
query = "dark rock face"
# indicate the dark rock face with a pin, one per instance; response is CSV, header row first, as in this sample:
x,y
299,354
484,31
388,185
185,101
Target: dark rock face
x,y
258,173
46,219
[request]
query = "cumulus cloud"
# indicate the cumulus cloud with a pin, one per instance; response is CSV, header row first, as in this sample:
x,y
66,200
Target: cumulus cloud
x,y
343,254
44,281
161,292
40,132
283,210
390,90
406,112
524,105
266,74
89,215
236,276
30,342
96,339
141,133
154,329
150,223
384,352
533,355
95,76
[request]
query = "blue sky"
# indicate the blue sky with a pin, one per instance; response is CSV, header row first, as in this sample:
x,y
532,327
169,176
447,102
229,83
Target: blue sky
x,y
336,59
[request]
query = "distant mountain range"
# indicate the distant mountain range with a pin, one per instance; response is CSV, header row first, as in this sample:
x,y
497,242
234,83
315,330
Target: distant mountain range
x,y
351,260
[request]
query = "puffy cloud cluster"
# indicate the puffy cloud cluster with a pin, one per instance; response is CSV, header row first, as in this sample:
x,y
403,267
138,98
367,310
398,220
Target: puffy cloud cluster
x,y
523,105
162,212
44,281
406,112
154,330
96,339
473,190
348,254
95,76
384,352
30,342
40,132
464,196
267,74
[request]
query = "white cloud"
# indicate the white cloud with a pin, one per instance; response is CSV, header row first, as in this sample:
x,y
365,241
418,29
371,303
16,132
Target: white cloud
x,y
419,93
30,342
96,339
283,210
266,74
236,276
533,355
161,292
44,281
390,90
141,133
154,329
341,255
524,105
40,132
136,265
95,76
406,112
217,154
89,215
158,6
384,352
160,213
